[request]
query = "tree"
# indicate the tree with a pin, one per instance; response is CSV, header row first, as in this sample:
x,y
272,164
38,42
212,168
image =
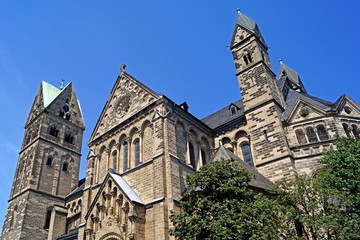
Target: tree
x,y
327,205
218,204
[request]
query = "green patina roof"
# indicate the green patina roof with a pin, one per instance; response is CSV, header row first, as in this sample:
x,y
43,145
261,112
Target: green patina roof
x,y
49,93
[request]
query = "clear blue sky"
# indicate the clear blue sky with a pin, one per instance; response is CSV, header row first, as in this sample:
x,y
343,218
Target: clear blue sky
x,y
177,48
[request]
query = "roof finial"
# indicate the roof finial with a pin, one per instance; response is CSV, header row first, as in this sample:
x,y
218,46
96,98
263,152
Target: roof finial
x,y
281,61
238,10
62,84
122,68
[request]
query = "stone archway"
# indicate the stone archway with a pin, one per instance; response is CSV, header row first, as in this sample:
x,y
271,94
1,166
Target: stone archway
x,y
111,236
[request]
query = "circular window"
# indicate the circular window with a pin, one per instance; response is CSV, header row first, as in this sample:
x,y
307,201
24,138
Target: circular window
x,y
123,106
347,110
304,112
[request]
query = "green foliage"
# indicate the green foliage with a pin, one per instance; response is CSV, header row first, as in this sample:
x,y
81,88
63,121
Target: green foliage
x,y
326,206
219,205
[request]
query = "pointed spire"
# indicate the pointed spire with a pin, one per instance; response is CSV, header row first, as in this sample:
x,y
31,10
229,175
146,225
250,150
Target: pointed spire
x,y
122,68
291,75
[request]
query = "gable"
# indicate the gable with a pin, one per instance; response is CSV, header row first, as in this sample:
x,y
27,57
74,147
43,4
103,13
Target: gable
x,y
240,33
303,110
37,106
127,97
118,188
348,107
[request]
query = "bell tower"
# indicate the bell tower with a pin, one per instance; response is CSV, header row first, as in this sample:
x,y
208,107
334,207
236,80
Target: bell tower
x,y
262,102
48,164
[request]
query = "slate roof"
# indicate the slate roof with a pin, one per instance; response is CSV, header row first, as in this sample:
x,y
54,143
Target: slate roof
x,y
129,192
249,25
258,180
224,115
72,235
79,188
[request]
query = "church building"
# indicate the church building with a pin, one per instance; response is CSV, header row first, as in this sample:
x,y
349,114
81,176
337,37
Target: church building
x,y
144,145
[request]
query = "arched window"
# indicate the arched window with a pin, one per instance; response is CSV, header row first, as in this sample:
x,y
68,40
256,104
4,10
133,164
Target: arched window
x,y
47,219
137,151
65,167
114,158
322,133
49,161
192,155
300,136
246,151
53,131
125,158
356,131
68,138
347,130
310,133
247,58
203,157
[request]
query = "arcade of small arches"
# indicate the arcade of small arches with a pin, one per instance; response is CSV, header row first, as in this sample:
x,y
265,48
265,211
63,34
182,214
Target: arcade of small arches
x,y
311,134
351,130
128,151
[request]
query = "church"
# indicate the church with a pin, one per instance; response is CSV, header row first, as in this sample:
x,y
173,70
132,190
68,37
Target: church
x,y
144,145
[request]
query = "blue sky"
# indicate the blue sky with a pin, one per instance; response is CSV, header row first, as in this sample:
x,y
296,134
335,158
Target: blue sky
x,y
177,48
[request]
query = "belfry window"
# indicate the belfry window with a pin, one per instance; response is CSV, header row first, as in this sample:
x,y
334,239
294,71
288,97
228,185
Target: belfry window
x,y
125,159
247,58
54,132
246,151
322,133
137,151
49,161
68,138
192,155
65,167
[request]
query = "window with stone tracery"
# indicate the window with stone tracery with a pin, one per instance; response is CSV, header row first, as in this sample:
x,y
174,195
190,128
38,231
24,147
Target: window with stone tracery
x,y
321,131
246,151
311,135
137,152
300,136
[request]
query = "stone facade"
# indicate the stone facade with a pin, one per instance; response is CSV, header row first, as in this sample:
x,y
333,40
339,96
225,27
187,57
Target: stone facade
x,y
144,145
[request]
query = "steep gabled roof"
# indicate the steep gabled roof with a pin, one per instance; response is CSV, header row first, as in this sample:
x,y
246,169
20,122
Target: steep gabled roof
x,y
286,73
224,115
249,25
258,180
49,93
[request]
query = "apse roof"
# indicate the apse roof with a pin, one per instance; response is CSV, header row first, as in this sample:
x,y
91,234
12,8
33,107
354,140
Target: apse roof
x,y
258,180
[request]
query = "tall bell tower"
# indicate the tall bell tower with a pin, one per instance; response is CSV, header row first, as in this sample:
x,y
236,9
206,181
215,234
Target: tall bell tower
x,y
262,101
48,164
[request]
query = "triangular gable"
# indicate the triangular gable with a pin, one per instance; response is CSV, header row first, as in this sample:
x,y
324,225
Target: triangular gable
x,y
240,33
304,110
67,97
49,93
37,106
345,105
122,185
127,97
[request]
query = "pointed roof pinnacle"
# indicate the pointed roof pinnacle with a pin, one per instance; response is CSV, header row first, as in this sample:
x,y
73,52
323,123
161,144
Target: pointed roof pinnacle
x,y
238,10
